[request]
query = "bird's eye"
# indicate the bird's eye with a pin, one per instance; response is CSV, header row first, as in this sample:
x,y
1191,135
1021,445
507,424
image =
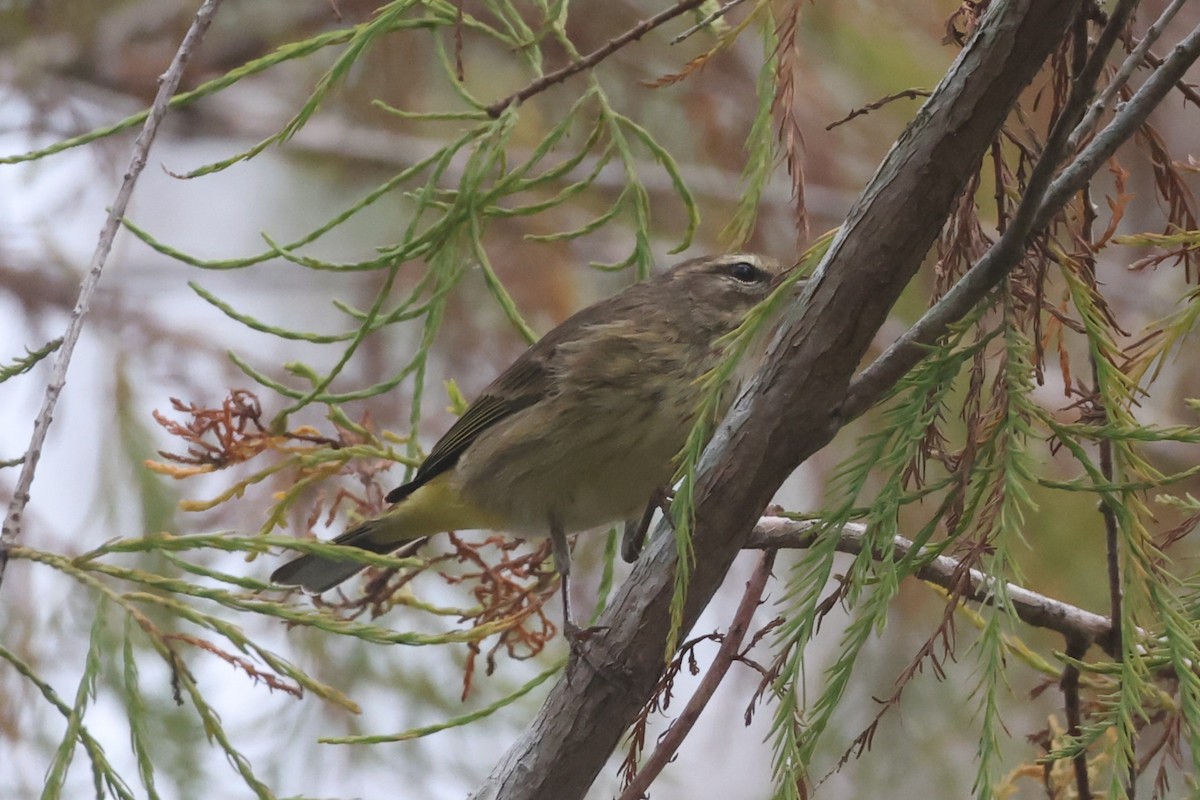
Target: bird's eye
x,y
744,271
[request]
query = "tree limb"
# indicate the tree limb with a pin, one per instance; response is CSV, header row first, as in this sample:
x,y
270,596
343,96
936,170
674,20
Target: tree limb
x,y
1002,256
792,407
1078,626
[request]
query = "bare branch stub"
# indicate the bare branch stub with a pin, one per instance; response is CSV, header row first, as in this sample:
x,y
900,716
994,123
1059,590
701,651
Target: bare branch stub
x,y
907,94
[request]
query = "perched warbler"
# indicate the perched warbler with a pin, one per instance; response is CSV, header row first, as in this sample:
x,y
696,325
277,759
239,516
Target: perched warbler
x,y
582,430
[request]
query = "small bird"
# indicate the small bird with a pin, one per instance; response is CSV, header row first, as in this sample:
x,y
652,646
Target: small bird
x,y
582,430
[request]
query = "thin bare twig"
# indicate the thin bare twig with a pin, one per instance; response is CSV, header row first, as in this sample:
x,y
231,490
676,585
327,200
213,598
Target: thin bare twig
x,y
1074,714
1123,74
673,738
1112,537
593,58
168,83
907,94
1032,608
709,20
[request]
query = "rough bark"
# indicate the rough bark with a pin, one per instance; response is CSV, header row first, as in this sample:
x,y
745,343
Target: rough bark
x,y
793,406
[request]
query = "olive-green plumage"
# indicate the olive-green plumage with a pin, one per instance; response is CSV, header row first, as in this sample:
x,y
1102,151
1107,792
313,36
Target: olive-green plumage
x,y
582,429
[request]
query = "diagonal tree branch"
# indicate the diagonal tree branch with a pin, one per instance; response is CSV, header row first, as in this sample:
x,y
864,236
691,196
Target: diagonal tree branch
x,y
995,264
168,83
793,406
1123,74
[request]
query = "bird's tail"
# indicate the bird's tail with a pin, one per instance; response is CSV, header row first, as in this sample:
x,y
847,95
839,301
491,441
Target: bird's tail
x,y
317,573
432,508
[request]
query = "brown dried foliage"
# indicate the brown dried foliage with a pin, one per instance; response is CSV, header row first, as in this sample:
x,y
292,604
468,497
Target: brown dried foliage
x,y
659,702
509,591
234,433
783,107
269,679
1039,306
510,588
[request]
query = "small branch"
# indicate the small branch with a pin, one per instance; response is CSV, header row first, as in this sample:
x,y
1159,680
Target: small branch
x,y
681,727
1112,542
910,94
1038,206
1074,715
1077,649
1038,610
593,58
1123,126
1185,88
168,83
709,20
1123,74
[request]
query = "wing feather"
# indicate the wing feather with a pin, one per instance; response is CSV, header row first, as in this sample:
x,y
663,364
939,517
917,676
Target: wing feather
x,y
529,379
520,386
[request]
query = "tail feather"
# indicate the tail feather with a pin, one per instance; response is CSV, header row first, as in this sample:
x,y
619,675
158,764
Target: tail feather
x,y
429,508
319,574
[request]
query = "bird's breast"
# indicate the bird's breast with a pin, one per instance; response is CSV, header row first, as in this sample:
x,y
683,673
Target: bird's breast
x,y
584,461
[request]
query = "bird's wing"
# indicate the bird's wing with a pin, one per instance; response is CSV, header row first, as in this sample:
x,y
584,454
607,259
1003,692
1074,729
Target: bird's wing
x,y
527,380
518,387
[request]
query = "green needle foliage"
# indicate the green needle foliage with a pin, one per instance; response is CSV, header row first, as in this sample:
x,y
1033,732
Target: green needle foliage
x,y
1038,400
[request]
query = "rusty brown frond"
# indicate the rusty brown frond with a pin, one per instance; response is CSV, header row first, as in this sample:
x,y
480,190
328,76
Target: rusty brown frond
x,y
929,653
1174,192
961,242
783,108
1117,204
698,63
1176,532
1028,307
216,438
509,590
512,591
693,66
269,679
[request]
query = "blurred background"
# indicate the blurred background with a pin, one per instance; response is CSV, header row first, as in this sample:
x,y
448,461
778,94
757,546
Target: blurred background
x,y
70,66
